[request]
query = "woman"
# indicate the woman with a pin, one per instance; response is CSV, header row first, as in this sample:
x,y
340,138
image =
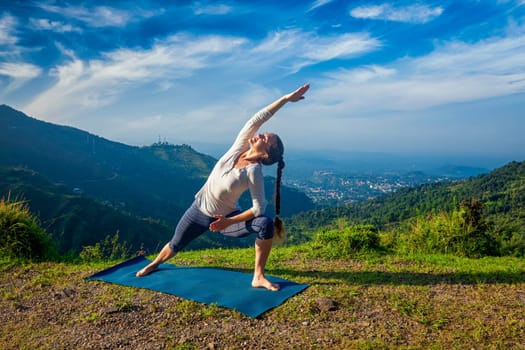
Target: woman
x,y
215,205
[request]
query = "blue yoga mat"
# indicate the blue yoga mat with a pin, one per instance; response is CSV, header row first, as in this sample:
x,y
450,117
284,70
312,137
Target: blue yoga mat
x,y
203,284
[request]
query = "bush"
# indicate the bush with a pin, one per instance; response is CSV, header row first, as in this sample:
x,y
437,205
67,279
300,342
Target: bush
x,y
510,235
462,232
21,236
108,249
343,242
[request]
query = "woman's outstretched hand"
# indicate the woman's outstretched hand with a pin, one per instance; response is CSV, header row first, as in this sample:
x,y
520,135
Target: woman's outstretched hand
x,y
295,96
298,94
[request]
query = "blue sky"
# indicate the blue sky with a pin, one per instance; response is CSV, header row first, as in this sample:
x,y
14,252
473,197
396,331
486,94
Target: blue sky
x,y
436,77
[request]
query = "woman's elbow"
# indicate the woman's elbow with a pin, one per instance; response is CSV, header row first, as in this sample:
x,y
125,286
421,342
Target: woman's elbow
x,y
258,210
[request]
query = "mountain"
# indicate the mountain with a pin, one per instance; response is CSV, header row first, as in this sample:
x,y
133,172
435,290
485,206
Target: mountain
x,y
151,181
502,192
302,164
74,220
154,183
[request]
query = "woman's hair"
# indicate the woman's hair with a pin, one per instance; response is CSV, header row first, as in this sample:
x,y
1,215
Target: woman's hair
x,y
275,155
278,224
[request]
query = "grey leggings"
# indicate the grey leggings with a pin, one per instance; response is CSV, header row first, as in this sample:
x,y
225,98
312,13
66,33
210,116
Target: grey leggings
x,y
194,223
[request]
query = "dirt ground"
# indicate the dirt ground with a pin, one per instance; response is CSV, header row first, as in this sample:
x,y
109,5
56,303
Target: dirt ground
x,y
52,307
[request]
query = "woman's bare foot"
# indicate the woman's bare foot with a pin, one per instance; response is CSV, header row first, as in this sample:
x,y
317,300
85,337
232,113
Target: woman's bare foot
x,y
147,270
262,282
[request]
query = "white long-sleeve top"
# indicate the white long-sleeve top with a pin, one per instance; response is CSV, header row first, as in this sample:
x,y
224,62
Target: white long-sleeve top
x,y
225,185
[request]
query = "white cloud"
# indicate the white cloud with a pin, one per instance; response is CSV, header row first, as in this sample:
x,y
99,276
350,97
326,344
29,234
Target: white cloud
x,y
19,70
219,9
412,14
7,27
99,16
18,74
363,74
496,56
15,71
342,46
297,49
454,73
96,83
279,41
88,85
319,3
55,26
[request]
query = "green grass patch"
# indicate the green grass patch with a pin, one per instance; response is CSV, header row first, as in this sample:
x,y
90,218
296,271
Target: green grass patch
x,y
21,236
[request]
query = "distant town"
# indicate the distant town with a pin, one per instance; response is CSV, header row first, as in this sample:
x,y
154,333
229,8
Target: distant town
x,y
329,188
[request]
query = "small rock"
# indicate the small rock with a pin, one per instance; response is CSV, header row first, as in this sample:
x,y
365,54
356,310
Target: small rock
x,y
68,292
326,304
109,310
20,307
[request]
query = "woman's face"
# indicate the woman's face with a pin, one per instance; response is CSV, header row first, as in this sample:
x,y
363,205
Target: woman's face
x,y
263,142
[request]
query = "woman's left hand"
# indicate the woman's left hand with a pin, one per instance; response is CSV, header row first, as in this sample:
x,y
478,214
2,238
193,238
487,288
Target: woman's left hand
x,y
297,95
220,224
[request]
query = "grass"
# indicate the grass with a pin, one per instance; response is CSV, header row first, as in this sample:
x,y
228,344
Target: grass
x,y
384,301
21,234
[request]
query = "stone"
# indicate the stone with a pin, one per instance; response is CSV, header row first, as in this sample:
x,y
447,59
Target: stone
x,y
326,304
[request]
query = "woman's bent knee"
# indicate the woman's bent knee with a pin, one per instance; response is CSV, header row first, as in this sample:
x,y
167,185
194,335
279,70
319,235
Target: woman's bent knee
x,y
266,225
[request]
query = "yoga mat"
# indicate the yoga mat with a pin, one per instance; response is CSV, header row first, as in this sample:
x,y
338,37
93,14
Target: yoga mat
x,y
207,285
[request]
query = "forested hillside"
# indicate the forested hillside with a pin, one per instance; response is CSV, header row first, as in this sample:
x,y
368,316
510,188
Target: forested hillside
x,y
501,193
75,221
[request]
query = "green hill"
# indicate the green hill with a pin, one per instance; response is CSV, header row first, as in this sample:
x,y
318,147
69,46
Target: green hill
x,y
150,181
76,221
501,192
